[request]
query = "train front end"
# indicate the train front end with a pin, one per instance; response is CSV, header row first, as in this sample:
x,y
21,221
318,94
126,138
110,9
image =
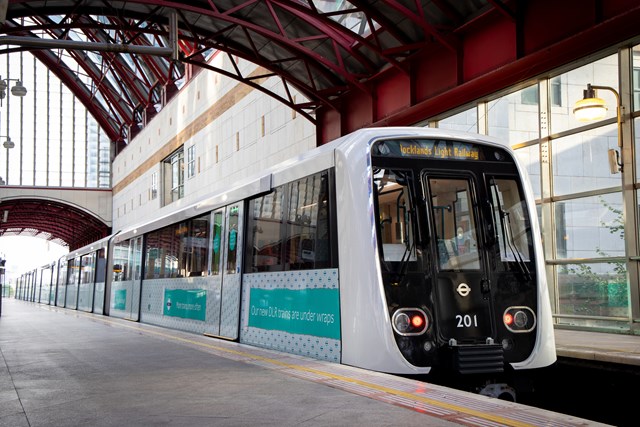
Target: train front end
x,y
459,256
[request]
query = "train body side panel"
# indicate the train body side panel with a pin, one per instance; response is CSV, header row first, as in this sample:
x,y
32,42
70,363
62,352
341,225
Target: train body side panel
x,y
180,303
367,337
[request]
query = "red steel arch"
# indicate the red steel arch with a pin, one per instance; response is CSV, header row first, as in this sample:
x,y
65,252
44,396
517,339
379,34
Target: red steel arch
x,y
51,220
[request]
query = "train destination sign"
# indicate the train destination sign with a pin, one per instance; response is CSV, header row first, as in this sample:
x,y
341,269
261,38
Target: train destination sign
x,y
428,148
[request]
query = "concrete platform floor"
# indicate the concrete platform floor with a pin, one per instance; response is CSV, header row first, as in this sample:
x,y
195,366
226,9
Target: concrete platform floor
x,y
62,367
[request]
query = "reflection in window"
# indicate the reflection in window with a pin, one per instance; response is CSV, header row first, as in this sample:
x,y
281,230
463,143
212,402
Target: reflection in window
x,y
87,272
466,121
555,89
191,161
216,248
580,161
529,157
307,243
636,88
179,250
290,228
101,265
590,227
232,245
636,128
529,96
173,176
127,260
636,78
574,82
265,222
73,277
511,220
454,223
154,186
514,118
595,289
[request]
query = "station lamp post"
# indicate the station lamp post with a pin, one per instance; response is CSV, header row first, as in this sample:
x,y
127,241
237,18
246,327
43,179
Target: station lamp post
x,y
592,108
17,90
8,143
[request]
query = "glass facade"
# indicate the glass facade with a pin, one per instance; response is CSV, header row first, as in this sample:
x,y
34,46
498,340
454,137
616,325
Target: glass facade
x,y
587,205
48,150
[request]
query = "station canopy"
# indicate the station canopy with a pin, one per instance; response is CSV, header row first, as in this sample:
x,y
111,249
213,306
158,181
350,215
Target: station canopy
x,y
125,59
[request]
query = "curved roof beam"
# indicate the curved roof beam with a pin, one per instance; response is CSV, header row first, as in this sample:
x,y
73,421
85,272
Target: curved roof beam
x,y
73,227
321,49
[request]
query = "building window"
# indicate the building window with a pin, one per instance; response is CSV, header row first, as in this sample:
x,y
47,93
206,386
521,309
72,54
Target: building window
x,y
555,86
529,96
154,186
173,178
636,89
191,161
514,118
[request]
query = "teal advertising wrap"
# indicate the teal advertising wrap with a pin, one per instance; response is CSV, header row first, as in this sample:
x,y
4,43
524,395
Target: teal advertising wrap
x,y
187,304
313,312
120,299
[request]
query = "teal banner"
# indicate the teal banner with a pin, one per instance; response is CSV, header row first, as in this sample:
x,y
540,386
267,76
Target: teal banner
x,y
313,312
187,304
120,299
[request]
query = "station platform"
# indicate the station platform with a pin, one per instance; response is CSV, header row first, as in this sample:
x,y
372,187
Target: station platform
x,y
598,347
62,367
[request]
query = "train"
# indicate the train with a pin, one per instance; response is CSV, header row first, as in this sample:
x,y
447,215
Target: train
x,y
404,250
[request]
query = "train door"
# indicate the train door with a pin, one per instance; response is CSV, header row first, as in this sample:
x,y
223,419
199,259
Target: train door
x,y
136,278
227,266
463,306
62,282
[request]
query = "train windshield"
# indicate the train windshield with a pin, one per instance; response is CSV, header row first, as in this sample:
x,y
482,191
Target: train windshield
x,y
511,220
455,224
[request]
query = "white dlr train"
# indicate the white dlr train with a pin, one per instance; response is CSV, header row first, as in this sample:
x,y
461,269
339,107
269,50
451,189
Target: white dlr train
x,y
402,250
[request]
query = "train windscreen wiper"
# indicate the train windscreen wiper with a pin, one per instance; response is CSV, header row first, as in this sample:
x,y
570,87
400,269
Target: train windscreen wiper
x,y
508,238
509,246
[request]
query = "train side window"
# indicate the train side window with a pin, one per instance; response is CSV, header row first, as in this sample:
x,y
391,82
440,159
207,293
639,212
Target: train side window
x,y
232,245
290,228
121,261
195,247
101,265
178,250
265,219
74,267
307,234
217,238
394,215
87,271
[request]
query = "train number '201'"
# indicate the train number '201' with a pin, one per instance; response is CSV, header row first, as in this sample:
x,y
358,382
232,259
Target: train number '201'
x,y
467,321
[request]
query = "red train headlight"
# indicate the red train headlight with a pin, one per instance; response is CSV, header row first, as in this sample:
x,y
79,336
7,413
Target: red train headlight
x,y
410,321
519,319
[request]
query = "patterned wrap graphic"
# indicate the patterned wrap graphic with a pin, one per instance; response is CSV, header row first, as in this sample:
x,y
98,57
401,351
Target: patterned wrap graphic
x,y
153,303
322,348
121,298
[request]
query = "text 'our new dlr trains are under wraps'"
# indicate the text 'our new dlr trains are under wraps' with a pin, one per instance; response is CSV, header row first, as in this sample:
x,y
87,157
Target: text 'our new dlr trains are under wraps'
x,y
401,250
